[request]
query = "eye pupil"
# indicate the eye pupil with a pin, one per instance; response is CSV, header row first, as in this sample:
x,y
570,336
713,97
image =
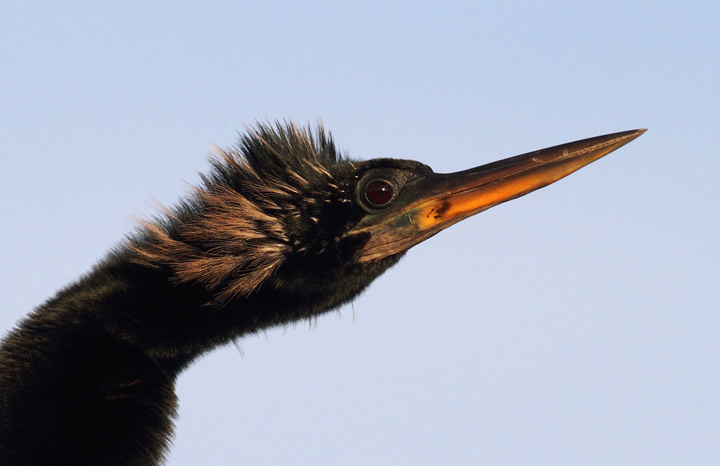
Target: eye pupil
x,y
379,192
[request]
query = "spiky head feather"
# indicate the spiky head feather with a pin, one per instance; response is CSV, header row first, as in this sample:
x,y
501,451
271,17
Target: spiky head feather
x,y
245,219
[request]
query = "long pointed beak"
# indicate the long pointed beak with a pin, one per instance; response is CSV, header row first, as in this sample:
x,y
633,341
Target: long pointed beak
x,y
437,201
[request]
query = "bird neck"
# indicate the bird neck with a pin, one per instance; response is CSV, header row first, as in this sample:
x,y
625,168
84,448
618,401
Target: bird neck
x,y
173,323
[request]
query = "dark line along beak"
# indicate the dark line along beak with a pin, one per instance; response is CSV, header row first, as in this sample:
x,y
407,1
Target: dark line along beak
x,y
437,201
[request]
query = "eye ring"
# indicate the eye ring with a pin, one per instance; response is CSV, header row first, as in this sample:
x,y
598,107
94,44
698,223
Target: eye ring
x,y
379,192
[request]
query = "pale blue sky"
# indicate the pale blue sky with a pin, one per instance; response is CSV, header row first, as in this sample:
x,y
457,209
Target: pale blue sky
x,y
577,325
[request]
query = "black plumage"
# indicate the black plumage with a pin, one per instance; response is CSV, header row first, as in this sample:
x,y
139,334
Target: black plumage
x,y
282,229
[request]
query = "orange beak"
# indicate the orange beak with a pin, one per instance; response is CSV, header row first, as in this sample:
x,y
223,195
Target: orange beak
x,y
436,201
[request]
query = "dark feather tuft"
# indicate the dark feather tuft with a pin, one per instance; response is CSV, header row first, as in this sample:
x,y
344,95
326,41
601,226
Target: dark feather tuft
x,y
232,234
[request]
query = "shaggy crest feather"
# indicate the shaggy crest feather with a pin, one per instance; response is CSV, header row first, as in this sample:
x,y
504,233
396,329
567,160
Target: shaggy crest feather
x,y
232,234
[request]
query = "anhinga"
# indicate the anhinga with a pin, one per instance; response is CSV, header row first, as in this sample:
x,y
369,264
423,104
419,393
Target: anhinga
x,y
284,228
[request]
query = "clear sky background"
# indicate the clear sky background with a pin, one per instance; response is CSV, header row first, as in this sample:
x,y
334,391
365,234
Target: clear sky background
x,y
577,325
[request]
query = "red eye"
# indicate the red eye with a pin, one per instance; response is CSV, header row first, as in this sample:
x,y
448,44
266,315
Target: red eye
x,y
379,192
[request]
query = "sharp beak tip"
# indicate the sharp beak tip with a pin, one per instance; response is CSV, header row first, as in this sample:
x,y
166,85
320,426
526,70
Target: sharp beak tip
x,y
635,133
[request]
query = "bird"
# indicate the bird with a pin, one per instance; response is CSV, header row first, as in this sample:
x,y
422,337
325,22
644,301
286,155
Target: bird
x,y
283,228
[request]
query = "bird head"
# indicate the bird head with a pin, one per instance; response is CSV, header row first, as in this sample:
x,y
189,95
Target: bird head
x,y
285,210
